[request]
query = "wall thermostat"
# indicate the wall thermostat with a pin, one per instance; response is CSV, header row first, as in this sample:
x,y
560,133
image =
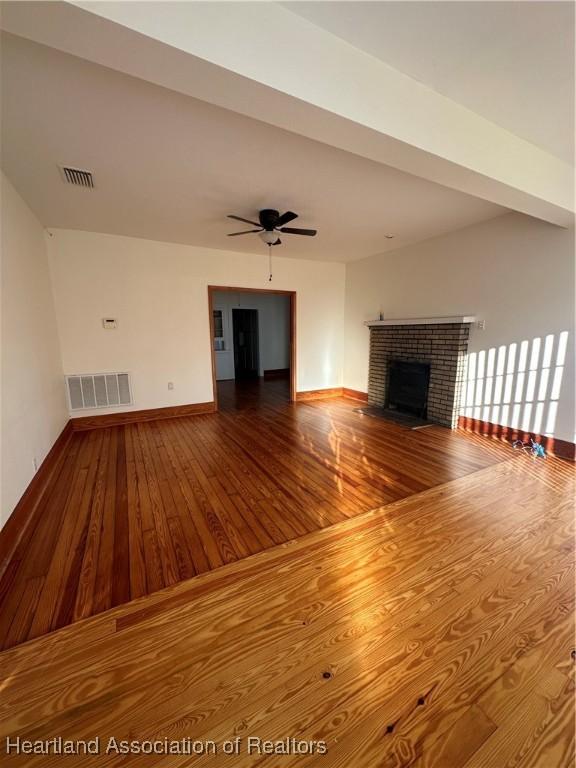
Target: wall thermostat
x,y
109,323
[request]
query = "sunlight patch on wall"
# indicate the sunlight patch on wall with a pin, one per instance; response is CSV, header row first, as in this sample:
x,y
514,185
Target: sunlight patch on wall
x,y
517,385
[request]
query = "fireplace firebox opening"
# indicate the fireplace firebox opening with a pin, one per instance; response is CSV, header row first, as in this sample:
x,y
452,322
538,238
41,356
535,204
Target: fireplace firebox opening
x,y
408,385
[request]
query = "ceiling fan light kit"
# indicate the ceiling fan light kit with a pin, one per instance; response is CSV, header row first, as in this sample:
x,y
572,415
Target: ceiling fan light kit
x,y
270,238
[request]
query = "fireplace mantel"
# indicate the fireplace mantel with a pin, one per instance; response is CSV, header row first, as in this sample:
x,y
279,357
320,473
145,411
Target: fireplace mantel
x,y
421,321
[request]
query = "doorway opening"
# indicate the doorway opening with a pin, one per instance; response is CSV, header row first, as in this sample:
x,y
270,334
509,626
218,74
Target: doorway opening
x,y
253,343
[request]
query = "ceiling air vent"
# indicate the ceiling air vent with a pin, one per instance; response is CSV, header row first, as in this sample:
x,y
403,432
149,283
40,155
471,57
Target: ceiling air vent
x,y
98,390
77,176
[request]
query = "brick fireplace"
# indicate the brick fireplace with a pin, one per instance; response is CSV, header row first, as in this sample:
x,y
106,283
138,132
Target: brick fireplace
x,y
442,343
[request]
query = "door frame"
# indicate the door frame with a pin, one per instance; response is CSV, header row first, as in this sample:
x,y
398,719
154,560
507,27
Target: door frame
x,y
233,289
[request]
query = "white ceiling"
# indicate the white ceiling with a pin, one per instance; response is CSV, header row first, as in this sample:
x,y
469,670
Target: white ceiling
x,y
169,167
511,62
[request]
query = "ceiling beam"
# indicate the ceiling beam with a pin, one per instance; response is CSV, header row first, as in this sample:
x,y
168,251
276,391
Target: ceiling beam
x,y
263,61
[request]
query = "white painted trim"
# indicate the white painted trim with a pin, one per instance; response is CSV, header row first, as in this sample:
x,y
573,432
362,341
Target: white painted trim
x,y
421,320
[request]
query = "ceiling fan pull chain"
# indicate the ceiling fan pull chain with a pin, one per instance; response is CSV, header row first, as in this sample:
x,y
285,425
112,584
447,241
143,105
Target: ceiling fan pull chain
x,y
270,262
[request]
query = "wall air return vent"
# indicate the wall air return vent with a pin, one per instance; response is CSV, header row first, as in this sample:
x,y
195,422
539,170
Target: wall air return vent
x,y
98,390
77,176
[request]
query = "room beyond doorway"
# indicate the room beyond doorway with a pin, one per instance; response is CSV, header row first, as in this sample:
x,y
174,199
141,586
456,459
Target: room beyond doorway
x,y
246,343
253,343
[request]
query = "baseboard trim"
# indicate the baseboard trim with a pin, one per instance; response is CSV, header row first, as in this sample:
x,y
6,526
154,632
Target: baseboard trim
x,y
82,423
354,394
277,373
560,448
318,394
324,394
24,512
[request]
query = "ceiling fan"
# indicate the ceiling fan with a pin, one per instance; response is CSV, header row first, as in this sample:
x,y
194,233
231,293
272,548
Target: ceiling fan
x,y
269,223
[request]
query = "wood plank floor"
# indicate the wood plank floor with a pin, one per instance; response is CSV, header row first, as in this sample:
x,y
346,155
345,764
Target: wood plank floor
x,y
437,631
140,507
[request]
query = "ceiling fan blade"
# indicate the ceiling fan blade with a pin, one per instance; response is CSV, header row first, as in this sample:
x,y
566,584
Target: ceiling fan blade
x,y
246,232
246,221
285,218
294,231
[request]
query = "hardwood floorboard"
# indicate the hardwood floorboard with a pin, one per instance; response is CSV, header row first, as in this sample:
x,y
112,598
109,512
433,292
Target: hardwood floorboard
x,y
203,549
87,579
219,504
183,559
136,554
136,508
38,544
102,598
121,560
28,597
58,567
40,539
436,631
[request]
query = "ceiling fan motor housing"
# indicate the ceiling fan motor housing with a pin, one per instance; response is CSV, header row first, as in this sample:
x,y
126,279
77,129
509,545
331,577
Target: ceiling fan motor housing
x,y
268,218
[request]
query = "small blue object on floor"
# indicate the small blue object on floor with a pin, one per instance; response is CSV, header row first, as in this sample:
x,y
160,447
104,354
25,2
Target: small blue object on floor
x,y
539,451
533,448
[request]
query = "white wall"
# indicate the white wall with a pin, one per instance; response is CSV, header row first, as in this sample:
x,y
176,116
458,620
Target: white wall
x,y
33,401
514,272
273,330
158,292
